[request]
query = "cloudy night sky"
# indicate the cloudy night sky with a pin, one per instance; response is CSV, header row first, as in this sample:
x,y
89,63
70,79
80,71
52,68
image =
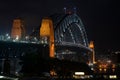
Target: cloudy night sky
x,y
100,17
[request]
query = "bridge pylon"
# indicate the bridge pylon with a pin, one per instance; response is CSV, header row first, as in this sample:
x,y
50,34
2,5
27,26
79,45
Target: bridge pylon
x,y
91,45
47,31
18,30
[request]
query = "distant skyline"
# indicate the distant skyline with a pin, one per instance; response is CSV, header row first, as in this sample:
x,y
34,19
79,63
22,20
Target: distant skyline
x,y
100,17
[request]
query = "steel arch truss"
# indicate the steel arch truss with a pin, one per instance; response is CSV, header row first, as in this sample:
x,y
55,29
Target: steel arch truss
x,y
71,29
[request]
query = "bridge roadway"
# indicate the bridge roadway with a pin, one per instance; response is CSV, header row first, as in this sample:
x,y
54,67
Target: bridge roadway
x,y
72,46
17,49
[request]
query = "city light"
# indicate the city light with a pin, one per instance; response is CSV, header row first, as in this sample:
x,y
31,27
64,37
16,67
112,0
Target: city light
x,y
112,76
79,73
1,76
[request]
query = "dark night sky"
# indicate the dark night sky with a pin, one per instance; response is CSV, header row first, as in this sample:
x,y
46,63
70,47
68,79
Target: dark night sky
x,y
100,17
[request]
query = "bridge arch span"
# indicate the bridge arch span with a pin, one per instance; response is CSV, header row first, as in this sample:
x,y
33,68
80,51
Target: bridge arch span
x,y
69,24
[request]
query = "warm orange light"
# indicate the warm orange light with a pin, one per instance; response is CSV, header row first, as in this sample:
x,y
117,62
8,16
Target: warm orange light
x,y
100,66
52,51
105,69
16,29
100,69
47,30
91,44
53,73
113,66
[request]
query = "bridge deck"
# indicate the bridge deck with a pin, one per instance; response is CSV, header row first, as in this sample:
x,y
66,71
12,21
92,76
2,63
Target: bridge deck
x,y
72,46
16,49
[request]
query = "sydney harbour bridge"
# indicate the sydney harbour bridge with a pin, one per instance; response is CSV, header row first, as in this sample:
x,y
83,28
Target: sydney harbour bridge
x,y
60,35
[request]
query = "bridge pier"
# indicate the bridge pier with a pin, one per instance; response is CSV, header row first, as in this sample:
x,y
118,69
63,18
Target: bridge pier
x,y
2,66
5,66
47,30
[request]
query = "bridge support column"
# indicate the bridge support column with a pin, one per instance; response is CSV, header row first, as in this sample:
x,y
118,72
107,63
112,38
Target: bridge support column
x,y
47,30
93,52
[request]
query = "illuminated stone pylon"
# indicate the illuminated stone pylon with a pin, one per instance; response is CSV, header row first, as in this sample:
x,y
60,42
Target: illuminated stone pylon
x,y
47,30
18,30
93,52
